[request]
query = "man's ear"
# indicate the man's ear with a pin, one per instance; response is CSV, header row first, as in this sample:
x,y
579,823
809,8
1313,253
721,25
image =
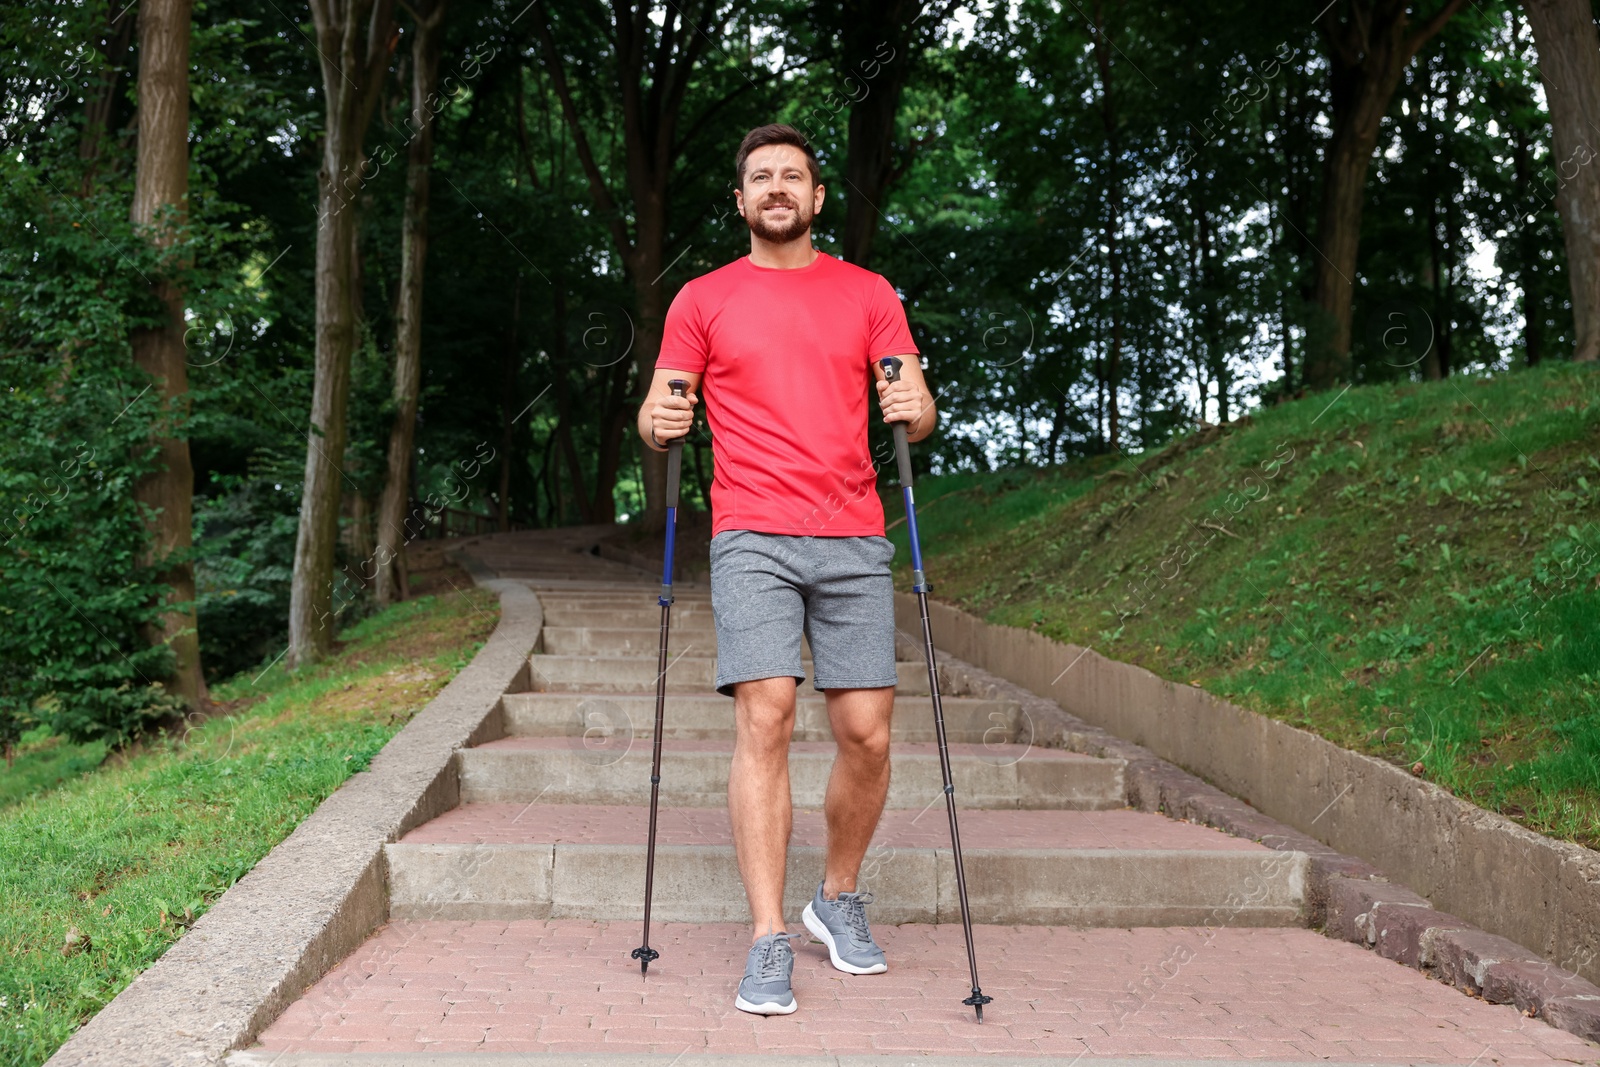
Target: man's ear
x,y
817,198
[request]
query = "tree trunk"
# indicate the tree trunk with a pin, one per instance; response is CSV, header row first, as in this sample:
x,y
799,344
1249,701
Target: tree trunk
x,y
1433,359
162,186
101,102
1113,224
1569,66
652,303
1215,355
389,557
1367,55
1527,253
876,56
508,396
353,42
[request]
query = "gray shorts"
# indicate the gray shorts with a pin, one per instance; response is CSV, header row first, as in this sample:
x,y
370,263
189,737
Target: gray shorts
x,y
766,589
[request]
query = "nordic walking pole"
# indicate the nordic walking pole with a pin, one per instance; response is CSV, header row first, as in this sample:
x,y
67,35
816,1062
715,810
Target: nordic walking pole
x,y
644,953
902,448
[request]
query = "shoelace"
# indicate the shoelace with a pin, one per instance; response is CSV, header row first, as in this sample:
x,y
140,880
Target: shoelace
x,y
855,913
769,965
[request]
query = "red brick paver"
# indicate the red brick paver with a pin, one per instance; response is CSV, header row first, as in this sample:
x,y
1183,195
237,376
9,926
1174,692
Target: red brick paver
x,y
606,824
1288,995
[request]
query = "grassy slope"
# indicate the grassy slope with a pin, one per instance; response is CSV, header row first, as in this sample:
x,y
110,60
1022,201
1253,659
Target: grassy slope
x,y
129,855
1412,572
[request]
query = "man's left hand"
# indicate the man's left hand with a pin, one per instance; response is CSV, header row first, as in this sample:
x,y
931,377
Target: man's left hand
x,y
901,402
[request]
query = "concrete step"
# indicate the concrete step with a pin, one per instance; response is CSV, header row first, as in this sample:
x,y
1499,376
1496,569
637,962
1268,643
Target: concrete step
x,y
685,673
624,599
578,770
553,862
630,641
615,718
644,613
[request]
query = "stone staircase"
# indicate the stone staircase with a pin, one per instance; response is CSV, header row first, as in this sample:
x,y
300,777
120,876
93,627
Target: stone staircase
x,y
553,816
512,916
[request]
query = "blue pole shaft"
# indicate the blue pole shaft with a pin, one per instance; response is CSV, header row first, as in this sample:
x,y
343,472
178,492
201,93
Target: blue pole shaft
x,y
666,565
919,582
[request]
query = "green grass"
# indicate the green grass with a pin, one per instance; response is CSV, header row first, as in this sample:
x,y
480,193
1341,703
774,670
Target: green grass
x,y
1411,571
99,875
43,761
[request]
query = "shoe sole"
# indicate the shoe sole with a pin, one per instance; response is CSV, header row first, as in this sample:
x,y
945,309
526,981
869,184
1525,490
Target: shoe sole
x,y
765,1009
818,927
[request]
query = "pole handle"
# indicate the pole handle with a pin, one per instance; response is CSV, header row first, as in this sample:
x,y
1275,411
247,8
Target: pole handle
x,y
902,447
679,387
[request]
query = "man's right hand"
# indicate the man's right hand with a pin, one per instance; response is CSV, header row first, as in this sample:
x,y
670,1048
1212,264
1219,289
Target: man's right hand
x,y
672,416
668,417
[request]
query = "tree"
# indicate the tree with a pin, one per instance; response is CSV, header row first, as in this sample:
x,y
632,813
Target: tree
x,y
408,327
1368,51
655,65
1569,65
879,43
354,39
159,208
1113,226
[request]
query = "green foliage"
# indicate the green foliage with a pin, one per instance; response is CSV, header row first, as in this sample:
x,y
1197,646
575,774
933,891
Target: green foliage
x,y
74,431
244,548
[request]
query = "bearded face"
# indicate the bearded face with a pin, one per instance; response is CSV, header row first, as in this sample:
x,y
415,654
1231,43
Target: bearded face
x,y
778,198
779,218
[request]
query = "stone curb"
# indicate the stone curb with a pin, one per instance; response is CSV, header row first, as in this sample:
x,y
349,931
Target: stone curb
x,y
1348,897
320,892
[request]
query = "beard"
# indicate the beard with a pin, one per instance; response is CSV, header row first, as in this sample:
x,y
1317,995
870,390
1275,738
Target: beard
x,y
780,233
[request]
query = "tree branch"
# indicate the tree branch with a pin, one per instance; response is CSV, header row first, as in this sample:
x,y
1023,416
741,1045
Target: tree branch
x,y
728,98
522,135
597,185
1418,37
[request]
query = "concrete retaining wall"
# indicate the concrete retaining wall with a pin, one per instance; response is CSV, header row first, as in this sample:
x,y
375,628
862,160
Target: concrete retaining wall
x,y
1540,893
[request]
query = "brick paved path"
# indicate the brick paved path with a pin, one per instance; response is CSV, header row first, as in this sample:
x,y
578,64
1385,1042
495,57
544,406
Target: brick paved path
x,y
1280,995
1105,932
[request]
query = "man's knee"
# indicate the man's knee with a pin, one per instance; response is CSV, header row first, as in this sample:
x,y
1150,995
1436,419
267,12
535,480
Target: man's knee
x,y
765,711
867,744
863,733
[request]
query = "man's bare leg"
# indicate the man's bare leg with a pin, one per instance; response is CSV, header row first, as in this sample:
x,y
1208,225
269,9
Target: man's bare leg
x,y
758,794
859,784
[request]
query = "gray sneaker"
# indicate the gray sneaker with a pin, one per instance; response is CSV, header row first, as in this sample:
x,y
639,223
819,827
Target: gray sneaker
x,y
764,990
842,926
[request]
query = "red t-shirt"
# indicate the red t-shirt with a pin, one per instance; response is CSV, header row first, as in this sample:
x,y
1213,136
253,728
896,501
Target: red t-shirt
x,y
787,362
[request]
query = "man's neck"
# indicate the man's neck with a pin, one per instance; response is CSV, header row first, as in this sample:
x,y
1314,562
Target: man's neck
x,y
791,255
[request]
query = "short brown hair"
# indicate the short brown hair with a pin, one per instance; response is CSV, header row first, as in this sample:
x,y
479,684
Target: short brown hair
x,y
775,133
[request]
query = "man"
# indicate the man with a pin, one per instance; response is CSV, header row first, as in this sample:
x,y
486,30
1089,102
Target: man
x,y
784,341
